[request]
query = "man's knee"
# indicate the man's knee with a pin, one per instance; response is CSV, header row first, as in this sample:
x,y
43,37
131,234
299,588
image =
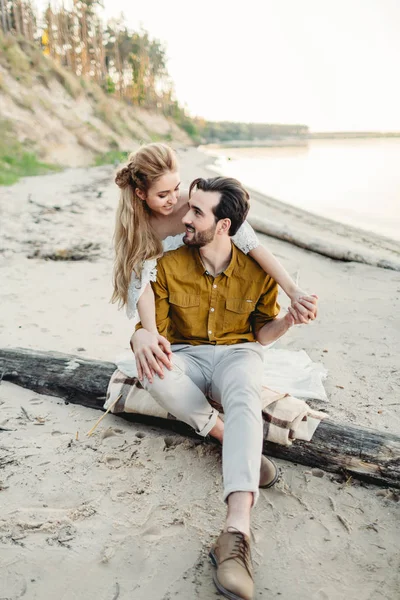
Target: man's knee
x,y
169,380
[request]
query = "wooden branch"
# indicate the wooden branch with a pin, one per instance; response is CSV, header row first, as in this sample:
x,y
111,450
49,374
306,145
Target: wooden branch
x,y
356,451
320,246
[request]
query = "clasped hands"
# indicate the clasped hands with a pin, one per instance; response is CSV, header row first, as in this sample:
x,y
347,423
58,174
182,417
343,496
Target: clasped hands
x,y
303,308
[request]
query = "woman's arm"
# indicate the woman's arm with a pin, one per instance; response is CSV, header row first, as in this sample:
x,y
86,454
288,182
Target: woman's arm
x,y
151,349
147,309
247,241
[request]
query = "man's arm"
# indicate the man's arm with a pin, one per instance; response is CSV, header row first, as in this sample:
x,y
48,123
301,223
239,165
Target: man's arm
x,y
273,330
267,326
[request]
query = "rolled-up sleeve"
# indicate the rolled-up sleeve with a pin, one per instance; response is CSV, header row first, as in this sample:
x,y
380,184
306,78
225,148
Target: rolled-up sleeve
x,y
267,307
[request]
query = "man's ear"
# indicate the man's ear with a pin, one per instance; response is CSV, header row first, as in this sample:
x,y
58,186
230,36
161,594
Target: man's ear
x,y
224,226
140,194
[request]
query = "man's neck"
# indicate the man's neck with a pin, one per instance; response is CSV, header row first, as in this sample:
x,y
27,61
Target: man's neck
x,y
217,255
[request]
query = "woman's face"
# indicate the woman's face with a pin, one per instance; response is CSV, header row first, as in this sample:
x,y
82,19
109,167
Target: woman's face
x,y
164,193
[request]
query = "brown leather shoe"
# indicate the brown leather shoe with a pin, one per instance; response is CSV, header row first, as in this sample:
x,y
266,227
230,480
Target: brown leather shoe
x,y
269,473
231,556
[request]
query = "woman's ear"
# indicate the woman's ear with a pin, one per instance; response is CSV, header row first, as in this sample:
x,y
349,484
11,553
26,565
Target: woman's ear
x,y
140,194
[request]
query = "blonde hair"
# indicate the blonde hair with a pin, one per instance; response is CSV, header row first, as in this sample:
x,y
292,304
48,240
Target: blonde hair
x,y
134,239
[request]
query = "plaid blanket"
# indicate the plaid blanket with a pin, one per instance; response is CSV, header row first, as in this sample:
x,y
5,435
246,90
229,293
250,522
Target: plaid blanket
x,y
285,417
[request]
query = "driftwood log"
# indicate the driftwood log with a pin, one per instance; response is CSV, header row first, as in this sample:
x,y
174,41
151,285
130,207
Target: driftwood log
x,y
354,451
321,246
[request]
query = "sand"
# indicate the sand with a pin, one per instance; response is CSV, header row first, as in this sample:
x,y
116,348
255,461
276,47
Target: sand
x,y
131,511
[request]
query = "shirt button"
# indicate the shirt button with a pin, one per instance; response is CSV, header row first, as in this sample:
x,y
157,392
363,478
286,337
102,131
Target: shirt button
x,y
215,285
210,332
212,309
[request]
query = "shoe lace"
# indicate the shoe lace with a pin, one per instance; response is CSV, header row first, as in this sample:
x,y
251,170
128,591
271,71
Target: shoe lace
x,y
241,549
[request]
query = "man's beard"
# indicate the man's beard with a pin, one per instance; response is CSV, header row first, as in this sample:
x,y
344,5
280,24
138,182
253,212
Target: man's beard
x,y
199,238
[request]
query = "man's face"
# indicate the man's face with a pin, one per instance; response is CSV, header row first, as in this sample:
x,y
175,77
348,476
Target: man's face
x,y
199,221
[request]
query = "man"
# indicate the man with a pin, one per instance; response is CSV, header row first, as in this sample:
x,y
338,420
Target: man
x,y
217,307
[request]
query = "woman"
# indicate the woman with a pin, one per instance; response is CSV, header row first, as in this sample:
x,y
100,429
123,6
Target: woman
x,y
149,222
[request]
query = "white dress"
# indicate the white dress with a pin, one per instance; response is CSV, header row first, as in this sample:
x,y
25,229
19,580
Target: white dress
x,y
284,371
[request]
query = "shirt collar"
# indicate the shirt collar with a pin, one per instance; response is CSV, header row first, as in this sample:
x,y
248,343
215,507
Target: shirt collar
x,y
229,269
200,268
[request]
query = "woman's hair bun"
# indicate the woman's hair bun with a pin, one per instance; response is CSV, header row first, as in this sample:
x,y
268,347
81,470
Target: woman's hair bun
x,y
123,177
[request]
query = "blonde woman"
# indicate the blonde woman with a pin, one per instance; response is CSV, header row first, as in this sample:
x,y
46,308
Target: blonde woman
x,y
149,223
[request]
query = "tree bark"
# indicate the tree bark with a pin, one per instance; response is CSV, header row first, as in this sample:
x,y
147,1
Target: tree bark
x,y
354,451
3,16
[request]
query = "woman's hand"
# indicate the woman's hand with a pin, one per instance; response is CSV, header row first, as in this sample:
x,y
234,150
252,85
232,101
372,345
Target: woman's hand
x,y
151,351
304,305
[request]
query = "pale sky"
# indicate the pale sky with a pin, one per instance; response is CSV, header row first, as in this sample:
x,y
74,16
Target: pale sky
x,y
330,64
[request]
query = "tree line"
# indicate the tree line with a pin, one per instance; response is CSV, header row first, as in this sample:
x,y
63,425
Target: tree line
x,y
224,131
125,63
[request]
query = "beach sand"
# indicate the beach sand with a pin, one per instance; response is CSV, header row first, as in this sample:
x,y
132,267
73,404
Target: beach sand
x,y
131,511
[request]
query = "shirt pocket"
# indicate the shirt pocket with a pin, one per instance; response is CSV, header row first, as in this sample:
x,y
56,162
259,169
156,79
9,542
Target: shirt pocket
x,y
185,312
184,300
237,315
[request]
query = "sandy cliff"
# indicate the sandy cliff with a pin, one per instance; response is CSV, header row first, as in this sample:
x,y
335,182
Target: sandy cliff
x,y
65,119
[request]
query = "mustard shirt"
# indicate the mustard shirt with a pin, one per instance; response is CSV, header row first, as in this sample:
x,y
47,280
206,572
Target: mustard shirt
x,y
193,307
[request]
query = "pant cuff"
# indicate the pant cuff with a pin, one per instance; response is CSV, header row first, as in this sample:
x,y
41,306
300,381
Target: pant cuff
x,y
210,423
232,489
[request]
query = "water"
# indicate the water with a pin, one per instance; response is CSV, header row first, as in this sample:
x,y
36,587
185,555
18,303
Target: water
x,y
356,182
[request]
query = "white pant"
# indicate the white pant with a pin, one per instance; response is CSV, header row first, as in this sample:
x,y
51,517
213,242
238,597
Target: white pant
x,y
231,375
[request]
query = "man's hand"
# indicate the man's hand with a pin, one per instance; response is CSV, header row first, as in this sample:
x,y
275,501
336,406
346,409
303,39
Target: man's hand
x,y
151,351
292,317
304,305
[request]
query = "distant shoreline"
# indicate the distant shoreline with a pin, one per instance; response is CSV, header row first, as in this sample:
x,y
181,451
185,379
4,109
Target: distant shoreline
x,y
302,140
328,135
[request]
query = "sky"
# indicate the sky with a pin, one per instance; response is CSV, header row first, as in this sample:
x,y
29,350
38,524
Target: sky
x,y
329,64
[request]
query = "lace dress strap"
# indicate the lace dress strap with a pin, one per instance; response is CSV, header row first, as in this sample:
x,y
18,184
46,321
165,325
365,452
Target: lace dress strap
x,y
246,238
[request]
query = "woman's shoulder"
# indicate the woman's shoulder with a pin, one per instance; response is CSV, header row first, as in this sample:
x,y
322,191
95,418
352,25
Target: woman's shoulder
x,y
172,242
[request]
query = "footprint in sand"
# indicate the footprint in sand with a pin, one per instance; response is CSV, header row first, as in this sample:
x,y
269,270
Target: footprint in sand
x,y
110,432
158,526
113,462
171,442
158,532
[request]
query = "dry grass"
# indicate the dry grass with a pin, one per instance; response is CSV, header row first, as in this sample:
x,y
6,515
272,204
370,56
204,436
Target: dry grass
x,y
16,159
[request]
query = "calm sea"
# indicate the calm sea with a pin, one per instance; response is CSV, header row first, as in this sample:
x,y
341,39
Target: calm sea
x,y
356,182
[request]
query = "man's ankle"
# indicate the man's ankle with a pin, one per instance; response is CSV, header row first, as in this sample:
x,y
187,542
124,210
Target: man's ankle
x,y
239,507
237,525
218,430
